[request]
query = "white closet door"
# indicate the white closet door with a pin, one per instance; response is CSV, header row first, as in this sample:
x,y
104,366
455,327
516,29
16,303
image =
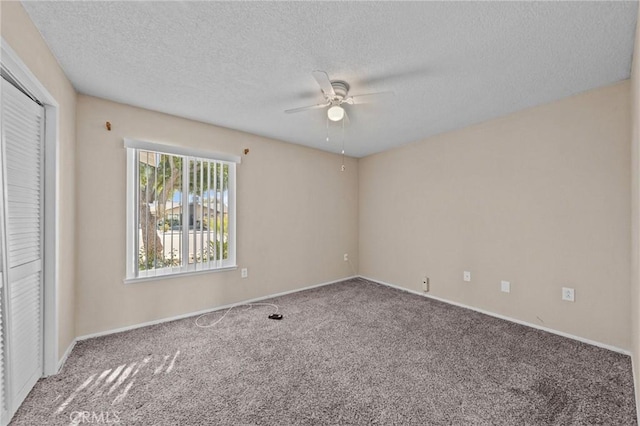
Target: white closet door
x,y
3,403
22,145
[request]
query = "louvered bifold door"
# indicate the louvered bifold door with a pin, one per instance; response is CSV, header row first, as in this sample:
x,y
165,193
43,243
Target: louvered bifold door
x,y
22,145
3,402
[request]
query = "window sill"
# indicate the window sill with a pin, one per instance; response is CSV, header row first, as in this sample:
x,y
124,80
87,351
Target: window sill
x,y
178,275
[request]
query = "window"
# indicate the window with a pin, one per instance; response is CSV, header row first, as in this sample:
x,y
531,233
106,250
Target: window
x,y
180,210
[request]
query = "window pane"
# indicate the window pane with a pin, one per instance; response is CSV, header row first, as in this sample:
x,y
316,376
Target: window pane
x,y
202,213
178,214
160,216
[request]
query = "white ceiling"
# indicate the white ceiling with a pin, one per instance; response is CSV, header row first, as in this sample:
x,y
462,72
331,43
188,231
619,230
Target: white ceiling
x,y
241,64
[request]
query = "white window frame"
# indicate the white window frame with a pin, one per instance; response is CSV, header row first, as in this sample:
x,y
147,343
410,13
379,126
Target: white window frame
x,y
133,147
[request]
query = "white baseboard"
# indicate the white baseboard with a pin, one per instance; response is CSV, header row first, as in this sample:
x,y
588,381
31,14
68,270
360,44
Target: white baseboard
x,y
66,355
217,308
636,384
503,317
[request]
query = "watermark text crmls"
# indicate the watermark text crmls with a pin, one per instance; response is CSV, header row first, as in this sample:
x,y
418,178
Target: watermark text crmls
x,y
94,417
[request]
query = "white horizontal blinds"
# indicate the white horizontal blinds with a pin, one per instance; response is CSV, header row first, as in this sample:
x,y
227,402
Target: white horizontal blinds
x,y
22,145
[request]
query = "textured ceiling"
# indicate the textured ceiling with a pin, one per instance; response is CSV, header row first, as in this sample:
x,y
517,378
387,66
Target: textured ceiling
x,y
241,64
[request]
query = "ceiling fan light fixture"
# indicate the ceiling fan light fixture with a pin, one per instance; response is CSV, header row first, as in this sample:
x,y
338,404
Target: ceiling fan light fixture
x,y
335,113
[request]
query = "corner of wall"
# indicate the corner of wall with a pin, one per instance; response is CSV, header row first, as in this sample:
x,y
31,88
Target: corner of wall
x,y
635,213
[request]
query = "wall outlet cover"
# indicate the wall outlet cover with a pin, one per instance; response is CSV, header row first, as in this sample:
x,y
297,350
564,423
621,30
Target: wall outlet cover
x,y
505,286
466,276
244,273
568,294
425,284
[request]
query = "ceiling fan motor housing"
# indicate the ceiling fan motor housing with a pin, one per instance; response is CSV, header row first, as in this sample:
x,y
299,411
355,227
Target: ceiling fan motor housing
x,y
341,89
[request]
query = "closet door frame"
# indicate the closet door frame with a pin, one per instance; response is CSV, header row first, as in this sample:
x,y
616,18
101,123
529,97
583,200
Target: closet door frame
x,y
11,62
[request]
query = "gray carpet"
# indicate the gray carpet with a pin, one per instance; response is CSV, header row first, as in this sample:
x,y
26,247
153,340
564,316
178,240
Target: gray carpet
x,y
349,353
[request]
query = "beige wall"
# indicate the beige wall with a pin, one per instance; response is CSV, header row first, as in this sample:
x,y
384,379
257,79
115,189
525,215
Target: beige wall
x,y
635,211
20,33
539,198
297,215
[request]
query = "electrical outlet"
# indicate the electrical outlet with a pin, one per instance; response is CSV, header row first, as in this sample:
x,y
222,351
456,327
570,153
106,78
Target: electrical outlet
x,y
346,257
467,276
425,284
244,272
505,286
568,294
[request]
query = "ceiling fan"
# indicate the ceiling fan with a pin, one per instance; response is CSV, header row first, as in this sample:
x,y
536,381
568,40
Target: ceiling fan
x,y
336,93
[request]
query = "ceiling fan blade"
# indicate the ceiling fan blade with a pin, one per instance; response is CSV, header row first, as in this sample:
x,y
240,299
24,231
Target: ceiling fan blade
x,y
368,97
347,122
323,81
326,104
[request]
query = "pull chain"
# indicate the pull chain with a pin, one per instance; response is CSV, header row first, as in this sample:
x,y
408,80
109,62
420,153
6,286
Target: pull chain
x,y
342,169
327,128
